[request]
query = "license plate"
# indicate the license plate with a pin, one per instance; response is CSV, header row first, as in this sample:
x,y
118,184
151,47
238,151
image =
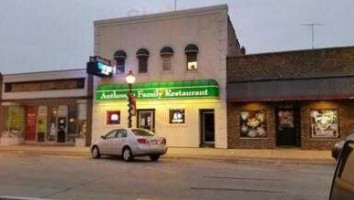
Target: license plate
x,y
153,142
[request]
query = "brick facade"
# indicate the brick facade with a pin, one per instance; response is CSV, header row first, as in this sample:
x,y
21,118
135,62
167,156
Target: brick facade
x,y
249,74
234,138
306,63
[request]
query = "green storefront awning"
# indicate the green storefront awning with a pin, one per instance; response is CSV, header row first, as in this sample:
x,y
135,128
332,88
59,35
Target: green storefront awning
x,y
160,90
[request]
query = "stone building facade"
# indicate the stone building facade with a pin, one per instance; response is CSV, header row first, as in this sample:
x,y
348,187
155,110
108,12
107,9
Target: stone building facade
x,y
178,51
297,98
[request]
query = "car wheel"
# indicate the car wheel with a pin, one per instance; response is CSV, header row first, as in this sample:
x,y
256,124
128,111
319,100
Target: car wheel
x,y
127,154
154,157
96,153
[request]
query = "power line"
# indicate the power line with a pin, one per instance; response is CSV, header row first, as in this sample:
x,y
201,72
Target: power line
x,y
312,26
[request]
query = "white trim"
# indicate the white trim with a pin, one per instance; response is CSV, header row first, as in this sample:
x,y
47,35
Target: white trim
x,y
164,15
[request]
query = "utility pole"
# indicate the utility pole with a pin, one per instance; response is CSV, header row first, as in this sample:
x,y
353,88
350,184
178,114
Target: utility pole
x,y
175,5
312,25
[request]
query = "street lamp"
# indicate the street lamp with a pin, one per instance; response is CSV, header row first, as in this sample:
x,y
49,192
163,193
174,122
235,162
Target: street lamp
x,y
130,78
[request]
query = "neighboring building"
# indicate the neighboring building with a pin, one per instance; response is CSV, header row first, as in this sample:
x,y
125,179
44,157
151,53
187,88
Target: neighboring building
x,y
179,60
297,98
46,107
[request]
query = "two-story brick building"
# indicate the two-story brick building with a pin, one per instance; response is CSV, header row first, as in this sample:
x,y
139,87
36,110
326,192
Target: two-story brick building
x,y
179,61
297,98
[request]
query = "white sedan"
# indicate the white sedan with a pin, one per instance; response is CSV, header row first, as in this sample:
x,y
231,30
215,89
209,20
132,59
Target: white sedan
x,y
129,143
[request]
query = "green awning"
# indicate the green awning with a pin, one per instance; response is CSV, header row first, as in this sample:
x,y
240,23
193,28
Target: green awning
x,y
160,90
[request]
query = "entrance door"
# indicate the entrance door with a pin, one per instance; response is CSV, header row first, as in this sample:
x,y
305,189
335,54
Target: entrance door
x,y
207,124
61,129
31,122
288,126
146,119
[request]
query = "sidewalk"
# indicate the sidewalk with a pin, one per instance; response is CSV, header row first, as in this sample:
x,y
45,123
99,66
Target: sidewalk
x,y
237,155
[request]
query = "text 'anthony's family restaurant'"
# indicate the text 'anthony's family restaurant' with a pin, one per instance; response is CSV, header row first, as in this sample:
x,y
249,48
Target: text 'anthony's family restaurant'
x,y
160,90
181,111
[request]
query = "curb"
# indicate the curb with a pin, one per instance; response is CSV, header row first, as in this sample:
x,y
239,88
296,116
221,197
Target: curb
x,y
256,160
232,159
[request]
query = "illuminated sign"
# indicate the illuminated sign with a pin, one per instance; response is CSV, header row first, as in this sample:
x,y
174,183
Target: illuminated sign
x,y
99,66
160,90
177,116
113,117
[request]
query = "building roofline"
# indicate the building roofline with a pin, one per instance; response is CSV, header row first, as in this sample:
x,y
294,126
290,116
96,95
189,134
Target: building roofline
x,y
178,13
291,51
43,72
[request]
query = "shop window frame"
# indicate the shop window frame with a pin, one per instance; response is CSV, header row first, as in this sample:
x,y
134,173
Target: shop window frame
x,y
337,119
170,116
255,113
109,114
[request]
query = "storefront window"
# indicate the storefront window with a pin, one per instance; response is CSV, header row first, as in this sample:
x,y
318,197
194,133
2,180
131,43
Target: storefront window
x,y
82,120
5,121
113,117
324,123
72,125
53,113
177,116
253,124
13,121
42,123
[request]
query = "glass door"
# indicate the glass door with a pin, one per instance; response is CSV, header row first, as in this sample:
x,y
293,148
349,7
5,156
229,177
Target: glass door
x,y
62,123
288,126
146,119
207,120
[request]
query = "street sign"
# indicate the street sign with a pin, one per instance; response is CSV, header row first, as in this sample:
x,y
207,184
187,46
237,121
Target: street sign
x,y
99,66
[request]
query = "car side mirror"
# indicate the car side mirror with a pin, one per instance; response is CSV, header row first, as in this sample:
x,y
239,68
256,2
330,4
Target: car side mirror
x,y
336,149
335,153
103,137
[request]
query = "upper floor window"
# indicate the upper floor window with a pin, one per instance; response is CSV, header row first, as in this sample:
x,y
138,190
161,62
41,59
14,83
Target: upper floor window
x,y
166,55
191,52
143,55
119,57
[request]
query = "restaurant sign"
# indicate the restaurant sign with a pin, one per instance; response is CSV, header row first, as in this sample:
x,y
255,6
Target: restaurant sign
x,y
160,90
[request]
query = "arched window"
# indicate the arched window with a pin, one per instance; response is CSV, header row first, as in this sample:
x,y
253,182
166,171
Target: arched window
x,y
166,54
143,55
119,57
191,52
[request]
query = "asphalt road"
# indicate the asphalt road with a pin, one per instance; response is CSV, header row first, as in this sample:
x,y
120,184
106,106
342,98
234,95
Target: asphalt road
x,y
58,177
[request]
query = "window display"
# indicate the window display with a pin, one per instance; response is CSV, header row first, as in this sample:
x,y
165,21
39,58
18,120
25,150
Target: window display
x,y
177,116
42,123
253,124
324,123
286,119
82,120
53,113
13,121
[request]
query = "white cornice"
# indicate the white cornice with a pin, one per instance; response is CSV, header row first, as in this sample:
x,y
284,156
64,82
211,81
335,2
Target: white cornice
x,y
163,16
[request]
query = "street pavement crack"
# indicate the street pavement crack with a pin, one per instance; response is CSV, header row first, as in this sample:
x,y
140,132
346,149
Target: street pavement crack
x,y
236,189
73,187
242,178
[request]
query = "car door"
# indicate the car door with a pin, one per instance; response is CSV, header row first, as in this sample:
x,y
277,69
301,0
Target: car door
x,y
119,141
105,146
343,181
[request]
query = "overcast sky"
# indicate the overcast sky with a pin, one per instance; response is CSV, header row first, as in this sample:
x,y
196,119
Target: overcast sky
x,y
39,35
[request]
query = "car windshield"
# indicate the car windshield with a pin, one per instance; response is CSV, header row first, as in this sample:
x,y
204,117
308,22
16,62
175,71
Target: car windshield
x,y
142,132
